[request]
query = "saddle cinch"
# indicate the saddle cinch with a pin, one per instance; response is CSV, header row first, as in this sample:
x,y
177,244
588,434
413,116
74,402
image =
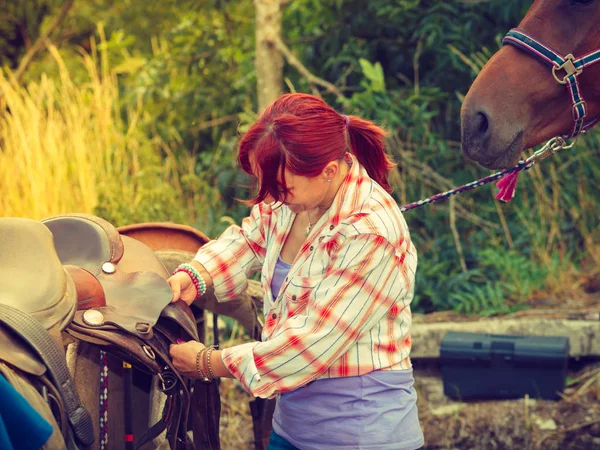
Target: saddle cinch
x,y
76,274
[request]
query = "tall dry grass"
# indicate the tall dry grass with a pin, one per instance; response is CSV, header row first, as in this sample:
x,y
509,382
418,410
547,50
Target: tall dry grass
x,y
62,144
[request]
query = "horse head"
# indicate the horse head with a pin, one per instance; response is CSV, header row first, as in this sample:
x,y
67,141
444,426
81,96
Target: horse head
x,y
517,100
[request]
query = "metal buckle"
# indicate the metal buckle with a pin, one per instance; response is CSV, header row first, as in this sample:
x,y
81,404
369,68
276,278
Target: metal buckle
x,y
551,147
149,352
574,110
569,67
167,380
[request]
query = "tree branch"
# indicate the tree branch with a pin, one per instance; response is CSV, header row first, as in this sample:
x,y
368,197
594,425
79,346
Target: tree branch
x,y
457,243
295,62
39,43
215,122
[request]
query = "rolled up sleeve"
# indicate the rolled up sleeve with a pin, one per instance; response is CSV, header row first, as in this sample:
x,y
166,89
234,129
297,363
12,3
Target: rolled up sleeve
x,y
236,254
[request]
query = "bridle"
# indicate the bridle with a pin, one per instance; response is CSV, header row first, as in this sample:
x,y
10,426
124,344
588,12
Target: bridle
x,y
573,68
571,65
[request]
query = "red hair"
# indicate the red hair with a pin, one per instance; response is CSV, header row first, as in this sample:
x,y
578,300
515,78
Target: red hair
x,y
302,133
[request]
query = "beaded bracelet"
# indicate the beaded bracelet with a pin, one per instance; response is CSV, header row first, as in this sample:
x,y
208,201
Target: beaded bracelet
x,y
203,365
197,279
209,370
194,271
198,366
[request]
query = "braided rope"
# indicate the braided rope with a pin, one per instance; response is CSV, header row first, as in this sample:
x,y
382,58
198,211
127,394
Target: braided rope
x,y
551,147
103,410
523,165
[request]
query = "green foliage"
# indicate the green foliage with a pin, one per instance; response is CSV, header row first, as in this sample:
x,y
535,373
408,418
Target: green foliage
x,y
405,64
20,25
121,205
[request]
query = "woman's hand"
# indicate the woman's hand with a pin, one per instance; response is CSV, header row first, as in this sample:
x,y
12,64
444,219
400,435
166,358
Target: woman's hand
x,y
184,357
182,287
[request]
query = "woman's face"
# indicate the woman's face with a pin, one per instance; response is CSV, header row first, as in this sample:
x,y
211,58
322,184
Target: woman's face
x,y
305,193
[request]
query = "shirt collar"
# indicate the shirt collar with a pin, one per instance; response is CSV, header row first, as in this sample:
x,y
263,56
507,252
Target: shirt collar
x,y
354,190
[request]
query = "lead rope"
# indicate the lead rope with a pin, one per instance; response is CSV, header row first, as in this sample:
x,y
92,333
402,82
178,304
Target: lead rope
x,y
508,177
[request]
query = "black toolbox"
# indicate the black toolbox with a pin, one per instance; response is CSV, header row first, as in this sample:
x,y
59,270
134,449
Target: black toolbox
x,y
478,365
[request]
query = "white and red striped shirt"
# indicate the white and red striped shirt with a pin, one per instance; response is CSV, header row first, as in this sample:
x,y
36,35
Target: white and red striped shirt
x,y
343,309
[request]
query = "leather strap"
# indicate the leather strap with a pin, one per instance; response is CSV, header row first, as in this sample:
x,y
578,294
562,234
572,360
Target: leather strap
x,y
40,340
206,412
160,426
179,392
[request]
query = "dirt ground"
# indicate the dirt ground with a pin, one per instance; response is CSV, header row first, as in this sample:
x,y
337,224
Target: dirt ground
x,y
570,423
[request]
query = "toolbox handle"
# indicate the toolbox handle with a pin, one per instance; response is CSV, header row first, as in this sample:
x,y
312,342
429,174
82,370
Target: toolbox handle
x,y
502,347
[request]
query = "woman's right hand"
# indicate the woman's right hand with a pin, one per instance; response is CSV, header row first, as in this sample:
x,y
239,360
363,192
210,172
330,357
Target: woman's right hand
x,y
182,287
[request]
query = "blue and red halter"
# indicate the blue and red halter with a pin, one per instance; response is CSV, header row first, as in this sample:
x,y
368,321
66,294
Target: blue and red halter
x,y
572,66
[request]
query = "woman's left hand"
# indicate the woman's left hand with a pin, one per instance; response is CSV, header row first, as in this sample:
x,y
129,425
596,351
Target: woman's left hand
x,y
184,357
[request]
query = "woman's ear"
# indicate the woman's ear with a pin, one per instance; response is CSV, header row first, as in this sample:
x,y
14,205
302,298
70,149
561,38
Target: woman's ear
x,y
331,170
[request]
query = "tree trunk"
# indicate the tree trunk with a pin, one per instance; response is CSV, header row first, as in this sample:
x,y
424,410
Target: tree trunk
x,y
269,62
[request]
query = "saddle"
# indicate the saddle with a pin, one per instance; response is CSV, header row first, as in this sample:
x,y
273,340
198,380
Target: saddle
x,y
105,289
124,306
37,301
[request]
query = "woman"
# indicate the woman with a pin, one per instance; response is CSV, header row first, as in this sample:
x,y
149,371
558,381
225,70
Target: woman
x,y
337,267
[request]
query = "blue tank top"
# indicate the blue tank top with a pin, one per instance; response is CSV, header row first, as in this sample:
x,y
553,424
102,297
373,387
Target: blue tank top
x,y
281,270
377,410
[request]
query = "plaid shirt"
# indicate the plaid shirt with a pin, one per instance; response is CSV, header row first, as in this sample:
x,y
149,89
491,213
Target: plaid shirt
x,y
343,309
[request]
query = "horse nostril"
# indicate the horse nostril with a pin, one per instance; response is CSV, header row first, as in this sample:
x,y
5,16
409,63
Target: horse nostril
x,y
482,124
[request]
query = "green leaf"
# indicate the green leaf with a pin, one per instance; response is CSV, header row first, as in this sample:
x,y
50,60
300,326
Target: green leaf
x,y
374,73
130,65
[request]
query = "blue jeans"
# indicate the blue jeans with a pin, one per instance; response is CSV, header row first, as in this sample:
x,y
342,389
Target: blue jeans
x,y
276,442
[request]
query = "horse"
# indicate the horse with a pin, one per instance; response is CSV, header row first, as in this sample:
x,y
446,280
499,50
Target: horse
x,y
543,83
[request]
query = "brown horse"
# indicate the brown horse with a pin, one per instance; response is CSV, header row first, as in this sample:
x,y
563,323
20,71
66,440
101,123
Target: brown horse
x,y
519,99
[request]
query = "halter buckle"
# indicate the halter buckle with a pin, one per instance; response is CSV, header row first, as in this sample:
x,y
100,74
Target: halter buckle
x,y
551,147
575,113
569,67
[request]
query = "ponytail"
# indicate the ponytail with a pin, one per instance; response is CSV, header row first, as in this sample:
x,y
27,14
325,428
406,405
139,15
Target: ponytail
x,y
367,143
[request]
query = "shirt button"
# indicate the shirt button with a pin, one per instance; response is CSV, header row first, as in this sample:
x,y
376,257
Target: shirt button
x,y
274,316
293,297
311,248
331,227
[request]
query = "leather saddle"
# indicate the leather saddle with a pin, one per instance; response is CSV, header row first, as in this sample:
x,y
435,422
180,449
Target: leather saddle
x,y
78,274
124,306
